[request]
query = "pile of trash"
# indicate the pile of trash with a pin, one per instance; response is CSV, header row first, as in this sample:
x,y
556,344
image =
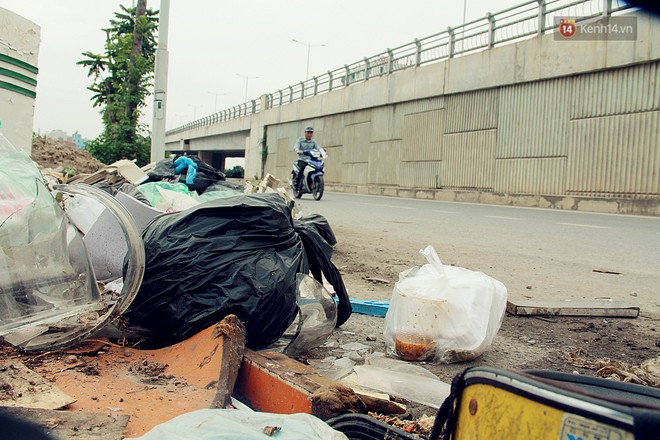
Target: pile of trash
x,y
166,302
156,254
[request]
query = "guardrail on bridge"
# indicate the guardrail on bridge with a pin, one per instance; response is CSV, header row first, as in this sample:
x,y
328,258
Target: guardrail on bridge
x,y
534,17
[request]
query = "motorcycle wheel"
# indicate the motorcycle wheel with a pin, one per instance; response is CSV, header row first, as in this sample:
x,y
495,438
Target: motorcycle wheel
x,y
296,193
317,187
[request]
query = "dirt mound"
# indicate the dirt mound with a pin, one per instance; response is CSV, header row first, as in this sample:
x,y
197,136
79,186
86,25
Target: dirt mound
x,y
49,153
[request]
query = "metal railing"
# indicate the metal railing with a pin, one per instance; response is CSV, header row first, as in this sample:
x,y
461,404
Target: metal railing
x,y
534,17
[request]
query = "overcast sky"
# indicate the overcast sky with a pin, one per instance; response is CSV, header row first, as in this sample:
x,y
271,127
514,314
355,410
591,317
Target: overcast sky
x,y
214,44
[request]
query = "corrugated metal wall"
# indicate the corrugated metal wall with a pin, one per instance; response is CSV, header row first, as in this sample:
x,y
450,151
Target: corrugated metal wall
x,y
356,143
469,160
422,136
615,155
384,162
532,141
614,139
593,134
472,111
534,175
334,165
333,131
282,157
401,110
533,119
614,92
420,174
355,173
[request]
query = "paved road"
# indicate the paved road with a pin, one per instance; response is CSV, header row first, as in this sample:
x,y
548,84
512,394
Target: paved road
x,y
537,253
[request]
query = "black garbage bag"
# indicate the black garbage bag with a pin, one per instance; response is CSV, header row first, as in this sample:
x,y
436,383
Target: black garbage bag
x,y
206,175
163,170
321,226
235,255
318,239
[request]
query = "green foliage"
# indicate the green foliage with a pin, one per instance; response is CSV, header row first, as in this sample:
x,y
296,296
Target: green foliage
x,y
121,79
109,149
236,172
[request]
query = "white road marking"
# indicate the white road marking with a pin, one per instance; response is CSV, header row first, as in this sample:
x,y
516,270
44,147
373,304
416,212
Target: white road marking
x,y
445,212
388,206
583,226
504,218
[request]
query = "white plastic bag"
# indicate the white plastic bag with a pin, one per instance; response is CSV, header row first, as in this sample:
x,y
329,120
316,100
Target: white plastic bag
x,y
443,313
220,424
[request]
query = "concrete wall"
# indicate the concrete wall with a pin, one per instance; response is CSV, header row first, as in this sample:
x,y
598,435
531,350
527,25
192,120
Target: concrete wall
x,y
551,122
19,51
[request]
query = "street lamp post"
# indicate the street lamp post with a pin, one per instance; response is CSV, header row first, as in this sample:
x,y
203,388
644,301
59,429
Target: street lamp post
x,y
309,48
247,79
215,107
195,107
464,18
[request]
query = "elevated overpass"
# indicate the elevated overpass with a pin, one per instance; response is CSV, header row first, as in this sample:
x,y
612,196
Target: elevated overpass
x,y
486,112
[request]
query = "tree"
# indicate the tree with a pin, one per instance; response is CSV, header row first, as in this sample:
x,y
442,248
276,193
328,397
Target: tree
x,y
122,76
235,172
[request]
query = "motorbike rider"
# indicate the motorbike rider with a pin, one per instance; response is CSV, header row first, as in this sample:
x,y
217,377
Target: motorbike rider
x,y
304,144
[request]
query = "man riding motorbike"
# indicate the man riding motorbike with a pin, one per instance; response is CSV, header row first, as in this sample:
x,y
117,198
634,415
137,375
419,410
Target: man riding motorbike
x,y
304,144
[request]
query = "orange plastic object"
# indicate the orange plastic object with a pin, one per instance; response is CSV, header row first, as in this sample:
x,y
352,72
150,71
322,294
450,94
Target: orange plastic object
x,y
151,386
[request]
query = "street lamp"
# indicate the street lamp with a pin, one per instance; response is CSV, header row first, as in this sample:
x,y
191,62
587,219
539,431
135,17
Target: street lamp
x,y
464,17
215,107
195,107
309,47
247,79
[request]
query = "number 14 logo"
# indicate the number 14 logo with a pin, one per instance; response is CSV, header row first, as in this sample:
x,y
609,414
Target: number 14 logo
x,y
567,27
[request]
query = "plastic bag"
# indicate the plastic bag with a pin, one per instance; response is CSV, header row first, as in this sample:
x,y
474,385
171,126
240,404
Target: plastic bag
x,y
49,297
184,163
317,316
443,313
44,271
205,174
219,424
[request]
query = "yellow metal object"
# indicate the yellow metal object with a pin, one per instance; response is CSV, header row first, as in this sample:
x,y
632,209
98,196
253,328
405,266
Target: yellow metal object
x,y
490,413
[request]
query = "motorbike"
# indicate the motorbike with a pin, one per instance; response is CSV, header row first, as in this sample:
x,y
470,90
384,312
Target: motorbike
x,y
312,182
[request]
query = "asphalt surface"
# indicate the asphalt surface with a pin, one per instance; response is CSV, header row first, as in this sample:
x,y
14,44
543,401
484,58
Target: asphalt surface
x,y
539,254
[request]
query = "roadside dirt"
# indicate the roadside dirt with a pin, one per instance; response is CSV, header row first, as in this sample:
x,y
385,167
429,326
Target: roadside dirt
x,y
566,344
613,348
49,153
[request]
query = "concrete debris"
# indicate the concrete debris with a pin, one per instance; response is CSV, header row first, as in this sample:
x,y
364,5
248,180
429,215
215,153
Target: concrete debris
x,y
608,308
353,346
21,387
66,425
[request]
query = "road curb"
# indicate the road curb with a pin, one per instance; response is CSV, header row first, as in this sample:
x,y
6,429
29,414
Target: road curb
x,y
646,207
